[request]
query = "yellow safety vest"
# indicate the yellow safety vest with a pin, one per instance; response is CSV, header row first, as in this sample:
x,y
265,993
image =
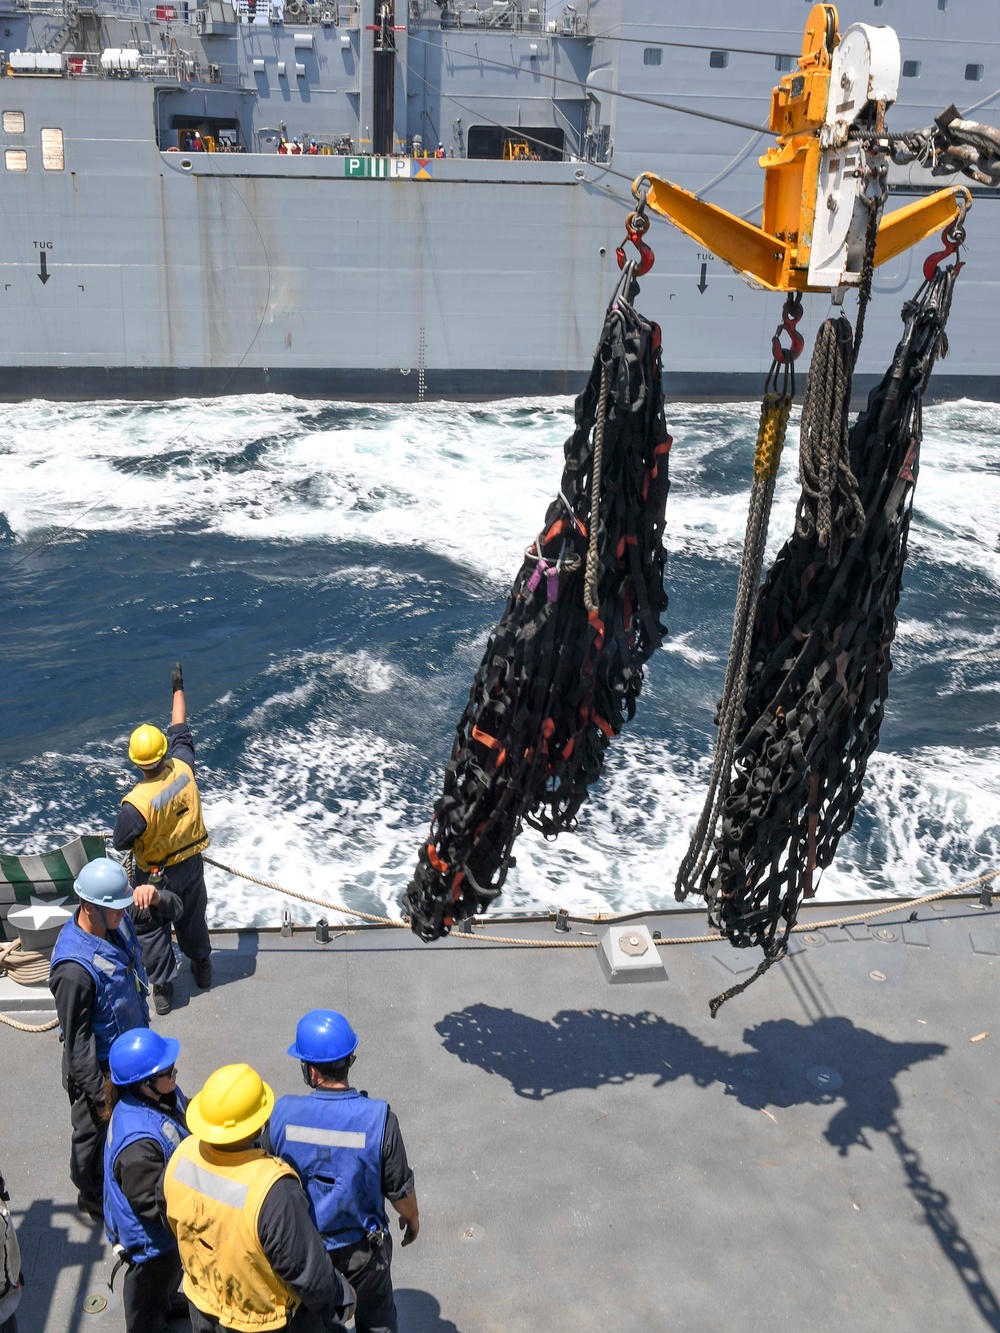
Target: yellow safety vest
x,y
171,807
213,1201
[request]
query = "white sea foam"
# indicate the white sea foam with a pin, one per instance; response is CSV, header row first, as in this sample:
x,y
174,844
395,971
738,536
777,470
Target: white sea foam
x,y
468,482
927,821
471,484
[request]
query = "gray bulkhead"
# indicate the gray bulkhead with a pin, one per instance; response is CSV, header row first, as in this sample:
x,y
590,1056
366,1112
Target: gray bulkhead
x,y
171,271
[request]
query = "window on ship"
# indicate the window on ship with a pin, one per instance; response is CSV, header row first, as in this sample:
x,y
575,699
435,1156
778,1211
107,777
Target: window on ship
x,y
542,143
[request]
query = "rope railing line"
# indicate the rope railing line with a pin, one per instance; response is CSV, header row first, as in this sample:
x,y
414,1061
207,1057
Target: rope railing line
x,y
303,897
28,1027
32,960
803,927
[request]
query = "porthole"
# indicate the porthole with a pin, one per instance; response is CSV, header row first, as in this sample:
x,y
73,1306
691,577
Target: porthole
x,y
186,164
973,73
911,69
652,55
718,59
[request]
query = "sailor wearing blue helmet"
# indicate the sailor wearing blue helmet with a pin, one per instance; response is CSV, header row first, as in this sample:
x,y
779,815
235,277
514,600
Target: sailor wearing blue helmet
x,y
147,1124
100,986
349,1153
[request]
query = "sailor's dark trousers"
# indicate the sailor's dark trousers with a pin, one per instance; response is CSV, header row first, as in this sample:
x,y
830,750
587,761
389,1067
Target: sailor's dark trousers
x,y
187,880
150,1290
86,1153
368,1270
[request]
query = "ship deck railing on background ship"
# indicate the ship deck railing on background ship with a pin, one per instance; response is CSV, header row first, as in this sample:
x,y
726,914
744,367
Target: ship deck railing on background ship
x,y
320,13
144,62
533,16
180,13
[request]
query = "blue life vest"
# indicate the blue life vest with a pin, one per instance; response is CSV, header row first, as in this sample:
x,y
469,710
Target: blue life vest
x,y
119,976
334,1141
132,1119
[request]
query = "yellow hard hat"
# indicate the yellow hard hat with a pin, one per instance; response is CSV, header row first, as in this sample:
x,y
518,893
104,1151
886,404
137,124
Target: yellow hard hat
x,y
234,1103
147,745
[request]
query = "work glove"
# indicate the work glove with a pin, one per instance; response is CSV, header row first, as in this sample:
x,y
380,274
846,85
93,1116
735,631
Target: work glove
x,y
177,678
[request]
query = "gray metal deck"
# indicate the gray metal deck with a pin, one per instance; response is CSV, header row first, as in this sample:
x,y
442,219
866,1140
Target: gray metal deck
x,y
588,1156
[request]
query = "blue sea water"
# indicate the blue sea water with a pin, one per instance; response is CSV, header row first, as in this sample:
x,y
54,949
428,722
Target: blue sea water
x,y
328,574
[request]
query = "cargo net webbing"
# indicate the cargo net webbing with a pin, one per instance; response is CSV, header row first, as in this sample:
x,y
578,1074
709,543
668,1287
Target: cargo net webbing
x,y
820,659
563,668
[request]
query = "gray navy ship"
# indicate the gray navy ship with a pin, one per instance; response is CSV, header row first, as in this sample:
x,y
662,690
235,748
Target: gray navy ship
x,y
450,227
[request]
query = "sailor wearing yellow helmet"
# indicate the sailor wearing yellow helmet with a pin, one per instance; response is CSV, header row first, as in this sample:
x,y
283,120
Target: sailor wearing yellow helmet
x,y
252,1257
160,822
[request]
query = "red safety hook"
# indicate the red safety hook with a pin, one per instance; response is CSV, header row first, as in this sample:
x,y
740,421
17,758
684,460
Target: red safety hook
x,y
790,316
952,237
636,227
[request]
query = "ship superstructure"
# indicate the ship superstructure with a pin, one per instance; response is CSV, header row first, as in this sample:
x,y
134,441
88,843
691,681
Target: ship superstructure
x,y
454,230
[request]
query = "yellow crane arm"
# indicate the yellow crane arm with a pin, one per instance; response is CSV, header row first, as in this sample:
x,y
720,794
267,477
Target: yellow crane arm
x,y
820,185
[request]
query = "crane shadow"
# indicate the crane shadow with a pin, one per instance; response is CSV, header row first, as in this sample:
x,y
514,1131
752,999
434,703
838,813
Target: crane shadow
x,y
788,1064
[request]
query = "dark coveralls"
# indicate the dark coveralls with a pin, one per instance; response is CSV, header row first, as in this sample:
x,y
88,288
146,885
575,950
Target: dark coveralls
x,y
83,1074
367,1265
294,1250
186,879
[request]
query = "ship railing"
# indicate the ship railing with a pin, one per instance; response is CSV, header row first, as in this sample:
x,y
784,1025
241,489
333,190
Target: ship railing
x,y
144,62
71,10
319,13
530,16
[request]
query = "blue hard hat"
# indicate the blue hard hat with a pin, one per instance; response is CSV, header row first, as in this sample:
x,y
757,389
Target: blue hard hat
x,y
105,883
139,1054
322,1037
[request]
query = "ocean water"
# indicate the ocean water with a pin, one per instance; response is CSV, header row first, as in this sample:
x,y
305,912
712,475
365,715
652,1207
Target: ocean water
x,y
328,574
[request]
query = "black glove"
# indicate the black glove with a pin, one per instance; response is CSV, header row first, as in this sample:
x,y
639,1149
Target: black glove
x,y
177,678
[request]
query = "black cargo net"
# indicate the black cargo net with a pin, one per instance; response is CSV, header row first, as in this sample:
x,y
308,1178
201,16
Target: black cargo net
x,y
563,668
819,661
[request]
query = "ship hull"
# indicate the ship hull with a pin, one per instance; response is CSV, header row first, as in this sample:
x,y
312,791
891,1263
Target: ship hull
x,y
138,270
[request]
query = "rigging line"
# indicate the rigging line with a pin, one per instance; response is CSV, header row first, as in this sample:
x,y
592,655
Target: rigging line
x,y
611,92
689,46
144,463
602,167
982,102
542,143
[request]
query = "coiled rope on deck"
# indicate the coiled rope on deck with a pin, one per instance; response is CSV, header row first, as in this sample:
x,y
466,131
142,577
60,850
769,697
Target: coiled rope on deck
x,y
27,968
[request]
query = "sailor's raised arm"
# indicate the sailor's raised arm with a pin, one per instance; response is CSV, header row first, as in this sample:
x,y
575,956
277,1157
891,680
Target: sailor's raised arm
x,y
178,712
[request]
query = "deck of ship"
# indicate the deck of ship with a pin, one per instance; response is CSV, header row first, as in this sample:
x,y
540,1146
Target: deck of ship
x,y
588,1156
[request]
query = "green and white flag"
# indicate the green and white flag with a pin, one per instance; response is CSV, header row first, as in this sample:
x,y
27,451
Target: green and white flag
x,y
46,875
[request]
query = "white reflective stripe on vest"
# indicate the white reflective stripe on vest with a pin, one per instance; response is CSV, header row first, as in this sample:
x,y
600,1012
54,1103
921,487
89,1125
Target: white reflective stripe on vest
x,y
170,791
220,1188
172,1132
325,1138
